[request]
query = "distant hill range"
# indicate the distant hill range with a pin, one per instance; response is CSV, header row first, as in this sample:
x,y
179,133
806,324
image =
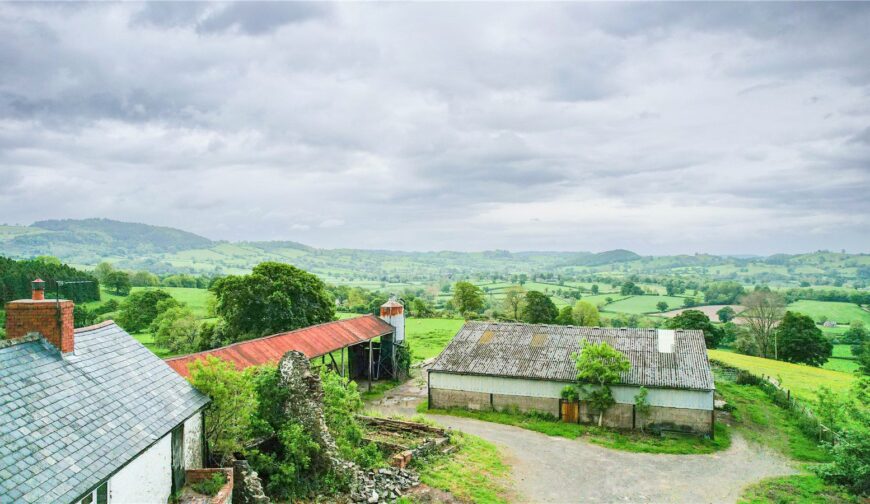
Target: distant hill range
x,y
162,250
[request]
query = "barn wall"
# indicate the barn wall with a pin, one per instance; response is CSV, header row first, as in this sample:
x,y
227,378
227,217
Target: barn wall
x,y
669,398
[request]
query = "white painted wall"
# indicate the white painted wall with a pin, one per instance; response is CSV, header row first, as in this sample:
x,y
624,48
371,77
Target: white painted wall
x,y
193,442
397,321
147,479
671,398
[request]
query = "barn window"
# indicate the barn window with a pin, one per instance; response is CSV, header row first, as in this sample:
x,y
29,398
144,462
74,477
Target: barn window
x,y
485,338
539,339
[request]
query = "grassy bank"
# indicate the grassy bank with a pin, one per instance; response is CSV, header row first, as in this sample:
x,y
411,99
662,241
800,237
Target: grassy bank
x,y
475,473
428,336
632,441
802,488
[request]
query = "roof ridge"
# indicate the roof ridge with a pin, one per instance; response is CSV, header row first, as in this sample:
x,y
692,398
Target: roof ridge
x,y
98,325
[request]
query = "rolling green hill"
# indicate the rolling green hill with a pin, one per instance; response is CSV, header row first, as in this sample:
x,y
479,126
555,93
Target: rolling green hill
x,y
164,250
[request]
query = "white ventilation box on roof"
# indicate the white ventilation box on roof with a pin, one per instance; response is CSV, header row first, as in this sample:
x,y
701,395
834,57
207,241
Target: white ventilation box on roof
x,y
666,339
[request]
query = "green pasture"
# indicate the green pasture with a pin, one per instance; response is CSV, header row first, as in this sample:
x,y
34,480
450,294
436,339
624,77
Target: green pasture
x,y
842,313
804,381
428,336
643,304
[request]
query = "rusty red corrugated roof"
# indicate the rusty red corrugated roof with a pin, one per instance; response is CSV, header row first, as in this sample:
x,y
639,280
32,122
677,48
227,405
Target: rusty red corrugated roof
x,y
313,341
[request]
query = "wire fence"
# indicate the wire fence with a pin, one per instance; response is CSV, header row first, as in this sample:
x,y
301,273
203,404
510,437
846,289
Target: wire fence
x,y
782,397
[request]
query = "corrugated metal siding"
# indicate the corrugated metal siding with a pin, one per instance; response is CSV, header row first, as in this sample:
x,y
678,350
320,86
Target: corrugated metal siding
x,y
506,350
671,398
313,341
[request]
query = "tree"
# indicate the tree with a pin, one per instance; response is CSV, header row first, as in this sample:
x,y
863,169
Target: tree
x,y
696,319
764,310
662,306
863,355
176,329
586,314
144,279
539,309
642,406
855,336
234,401
630,289
566,317
275,297
118,281
141,308
726,314
103,269
594,289
514,300
467,297
722,292
801,341
599,365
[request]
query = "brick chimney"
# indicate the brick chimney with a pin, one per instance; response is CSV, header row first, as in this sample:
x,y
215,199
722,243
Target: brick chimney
x,y
52,319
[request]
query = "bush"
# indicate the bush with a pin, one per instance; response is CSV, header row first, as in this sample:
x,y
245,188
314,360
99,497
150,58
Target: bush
x,y
851,465
210,486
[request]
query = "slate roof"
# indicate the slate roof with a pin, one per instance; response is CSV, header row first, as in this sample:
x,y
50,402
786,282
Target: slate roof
x,y
543,352
68,422
313,341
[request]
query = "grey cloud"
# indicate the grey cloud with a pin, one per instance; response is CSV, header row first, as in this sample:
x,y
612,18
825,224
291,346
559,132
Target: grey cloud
x,y
614,125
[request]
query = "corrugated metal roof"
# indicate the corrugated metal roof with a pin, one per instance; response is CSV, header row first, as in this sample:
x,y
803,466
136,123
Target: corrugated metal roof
x,y
313,341
69,421
506,349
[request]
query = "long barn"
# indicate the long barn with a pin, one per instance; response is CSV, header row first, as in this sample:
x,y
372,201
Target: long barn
x,y
498,366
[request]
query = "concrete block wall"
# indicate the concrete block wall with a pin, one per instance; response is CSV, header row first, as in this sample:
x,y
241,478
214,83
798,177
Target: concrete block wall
x,y
445,398
619,416
526,404
678,419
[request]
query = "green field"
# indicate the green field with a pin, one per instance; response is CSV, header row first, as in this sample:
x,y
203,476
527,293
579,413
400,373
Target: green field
x,y
640,305
804,381
428,336
842,313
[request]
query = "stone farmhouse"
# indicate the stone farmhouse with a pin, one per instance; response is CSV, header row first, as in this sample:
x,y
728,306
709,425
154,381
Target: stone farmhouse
x,y
497,366
90,415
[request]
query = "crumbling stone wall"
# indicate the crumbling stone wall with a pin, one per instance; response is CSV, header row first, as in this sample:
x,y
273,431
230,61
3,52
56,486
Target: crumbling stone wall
x,y
247,487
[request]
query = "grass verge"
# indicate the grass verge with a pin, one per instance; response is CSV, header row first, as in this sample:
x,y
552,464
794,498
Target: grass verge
x,y
762,421
807,489
474,473
631,441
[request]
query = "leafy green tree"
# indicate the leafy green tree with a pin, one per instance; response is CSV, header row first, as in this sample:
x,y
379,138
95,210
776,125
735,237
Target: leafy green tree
x,y
467,297
176,329
723,292
662,306
599,365
629,288
642,406
864,357
566,317
856,335
139,309
726,314
514,300
539,309
696,319
586,314
801,341
594,289
118,282
274,298
103,269
144,279
234,402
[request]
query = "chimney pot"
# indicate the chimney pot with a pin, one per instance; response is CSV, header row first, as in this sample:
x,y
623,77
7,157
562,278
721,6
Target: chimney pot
x,y
38,287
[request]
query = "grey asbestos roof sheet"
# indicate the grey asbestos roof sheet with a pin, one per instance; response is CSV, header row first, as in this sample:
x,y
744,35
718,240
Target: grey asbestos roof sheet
x,y
67,422
544,352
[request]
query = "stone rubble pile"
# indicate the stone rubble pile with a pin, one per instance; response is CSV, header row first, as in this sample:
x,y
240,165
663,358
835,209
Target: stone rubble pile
x,y
383,485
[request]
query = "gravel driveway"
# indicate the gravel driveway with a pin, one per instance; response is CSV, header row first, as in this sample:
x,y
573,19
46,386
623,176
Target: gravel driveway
x,y
553,469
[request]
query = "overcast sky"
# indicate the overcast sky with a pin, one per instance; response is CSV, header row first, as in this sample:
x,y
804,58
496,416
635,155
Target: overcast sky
x,y
660,128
